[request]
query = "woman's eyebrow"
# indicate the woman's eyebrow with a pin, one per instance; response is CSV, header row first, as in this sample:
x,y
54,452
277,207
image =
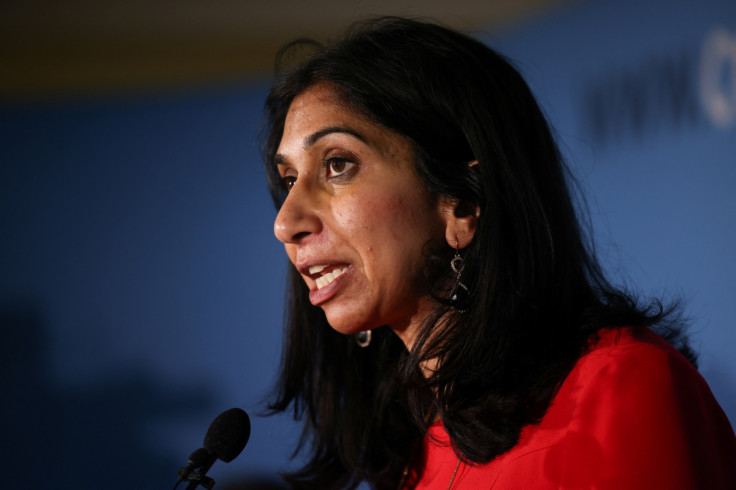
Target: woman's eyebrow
x,y
310,140
314,137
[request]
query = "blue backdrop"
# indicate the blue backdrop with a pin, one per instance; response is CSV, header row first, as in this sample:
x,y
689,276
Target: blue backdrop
x,y
141,285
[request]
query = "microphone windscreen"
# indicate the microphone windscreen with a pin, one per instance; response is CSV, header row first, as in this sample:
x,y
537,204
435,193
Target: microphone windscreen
x,y
228,434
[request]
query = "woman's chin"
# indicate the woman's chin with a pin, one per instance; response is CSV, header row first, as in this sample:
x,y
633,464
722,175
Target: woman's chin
x,y
347,329
347,324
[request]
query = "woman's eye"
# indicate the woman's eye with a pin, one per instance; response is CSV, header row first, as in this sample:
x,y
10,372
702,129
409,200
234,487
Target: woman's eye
x,y
337,166
288,181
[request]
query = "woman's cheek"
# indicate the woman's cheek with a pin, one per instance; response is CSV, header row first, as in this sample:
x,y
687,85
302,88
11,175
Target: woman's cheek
x,y
357,214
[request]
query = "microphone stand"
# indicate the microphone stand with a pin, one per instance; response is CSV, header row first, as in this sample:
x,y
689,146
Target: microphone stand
x,y
199,478
195,475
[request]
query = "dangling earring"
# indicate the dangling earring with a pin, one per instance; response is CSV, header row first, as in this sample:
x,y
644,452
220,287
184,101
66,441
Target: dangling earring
x,y
363,339
459,293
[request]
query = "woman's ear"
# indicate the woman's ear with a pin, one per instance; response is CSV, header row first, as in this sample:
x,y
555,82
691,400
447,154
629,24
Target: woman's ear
x,y
461,221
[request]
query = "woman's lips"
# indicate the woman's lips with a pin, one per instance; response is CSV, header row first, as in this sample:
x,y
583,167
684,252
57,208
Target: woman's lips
x,y
327,286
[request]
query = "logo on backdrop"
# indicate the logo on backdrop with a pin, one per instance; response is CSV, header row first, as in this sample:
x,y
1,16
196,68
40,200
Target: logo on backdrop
x,y
718,78
681,90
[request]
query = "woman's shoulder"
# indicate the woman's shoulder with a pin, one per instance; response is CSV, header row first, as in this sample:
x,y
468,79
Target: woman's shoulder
x,y
636,408
638,352
633,376
633,413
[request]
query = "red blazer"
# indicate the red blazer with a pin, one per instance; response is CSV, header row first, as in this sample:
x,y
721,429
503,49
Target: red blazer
x,y
633,414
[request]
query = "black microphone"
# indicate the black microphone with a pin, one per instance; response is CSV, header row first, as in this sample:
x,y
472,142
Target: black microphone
x,y
225,439
228,434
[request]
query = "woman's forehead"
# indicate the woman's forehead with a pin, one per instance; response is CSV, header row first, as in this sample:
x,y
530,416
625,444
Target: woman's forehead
x,y
320,110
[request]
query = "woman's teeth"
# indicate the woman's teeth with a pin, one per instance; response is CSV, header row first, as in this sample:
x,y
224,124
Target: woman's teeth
x,y
327,278
316,268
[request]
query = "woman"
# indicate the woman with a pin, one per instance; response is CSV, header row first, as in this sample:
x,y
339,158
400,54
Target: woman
x,y
447,325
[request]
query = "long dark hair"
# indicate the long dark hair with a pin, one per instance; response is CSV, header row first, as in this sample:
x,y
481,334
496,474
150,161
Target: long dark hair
x,y
536,292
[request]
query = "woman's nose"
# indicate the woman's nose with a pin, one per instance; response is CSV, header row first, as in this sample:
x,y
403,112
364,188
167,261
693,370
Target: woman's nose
x,y
298,216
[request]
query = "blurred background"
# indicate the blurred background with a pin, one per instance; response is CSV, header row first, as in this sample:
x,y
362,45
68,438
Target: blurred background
x,y
141,287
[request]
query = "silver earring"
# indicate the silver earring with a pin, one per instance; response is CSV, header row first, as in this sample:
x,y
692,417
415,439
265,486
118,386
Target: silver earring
x,y
363,339
459,293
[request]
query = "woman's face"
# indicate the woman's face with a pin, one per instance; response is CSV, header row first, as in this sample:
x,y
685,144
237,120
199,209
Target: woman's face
x,y
357,217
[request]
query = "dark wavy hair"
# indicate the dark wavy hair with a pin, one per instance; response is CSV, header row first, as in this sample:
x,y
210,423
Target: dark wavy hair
x,y
536,291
